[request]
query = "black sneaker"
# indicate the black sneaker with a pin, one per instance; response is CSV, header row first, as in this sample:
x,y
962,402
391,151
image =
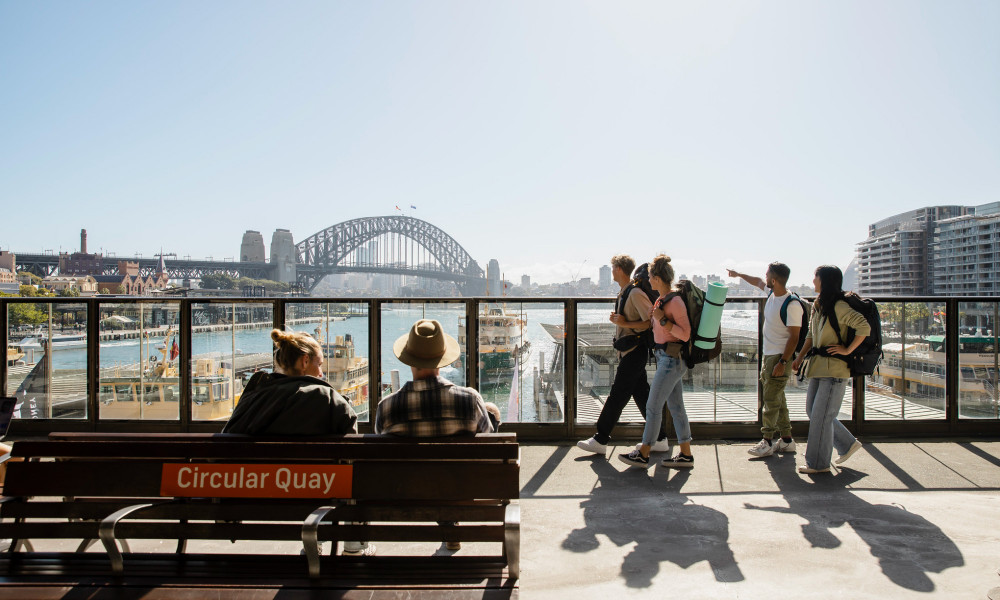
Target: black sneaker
x,y
679,461
634,459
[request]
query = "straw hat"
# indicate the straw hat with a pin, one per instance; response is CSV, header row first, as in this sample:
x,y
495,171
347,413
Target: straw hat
x,y
426,346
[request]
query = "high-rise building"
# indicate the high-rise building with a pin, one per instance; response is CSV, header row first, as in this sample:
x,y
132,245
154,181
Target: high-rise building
x,y
493,277
966,251
526,282
283,256
895,259
604,277
252,248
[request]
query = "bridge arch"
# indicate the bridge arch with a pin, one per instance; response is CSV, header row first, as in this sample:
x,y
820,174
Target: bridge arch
x,y
390,244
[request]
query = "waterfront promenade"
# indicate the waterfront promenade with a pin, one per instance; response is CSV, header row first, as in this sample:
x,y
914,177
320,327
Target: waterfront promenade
x,y
903,519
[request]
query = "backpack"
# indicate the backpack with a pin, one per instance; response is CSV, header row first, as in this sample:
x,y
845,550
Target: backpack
x,y
866,357
694,301
640,279
804,326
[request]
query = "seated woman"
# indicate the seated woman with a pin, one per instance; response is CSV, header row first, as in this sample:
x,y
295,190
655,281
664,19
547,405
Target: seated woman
x,y
294,400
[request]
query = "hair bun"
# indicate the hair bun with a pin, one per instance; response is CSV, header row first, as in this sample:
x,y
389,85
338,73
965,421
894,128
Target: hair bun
x,y
666,258
278,335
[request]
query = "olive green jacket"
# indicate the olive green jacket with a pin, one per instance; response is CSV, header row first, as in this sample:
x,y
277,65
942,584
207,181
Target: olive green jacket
x,y
822,334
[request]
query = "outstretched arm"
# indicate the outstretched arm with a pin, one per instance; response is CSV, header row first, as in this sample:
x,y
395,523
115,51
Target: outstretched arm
x,y
754,281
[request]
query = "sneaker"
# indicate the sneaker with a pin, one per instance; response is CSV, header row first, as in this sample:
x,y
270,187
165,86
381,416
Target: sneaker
x,y
850,452
658,446
634,459
453,546
784,446
592,445
369,550
763,448
809,470
679,461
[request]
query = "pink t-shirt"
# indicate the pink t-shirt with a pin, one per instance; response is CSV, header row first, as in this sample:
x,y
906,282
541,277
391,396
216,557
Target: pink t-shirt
x,y
676,313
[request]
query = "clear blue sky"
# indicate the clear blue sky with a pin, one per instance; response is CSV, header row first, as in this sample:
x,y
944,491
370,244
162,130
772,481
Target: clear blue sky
x,y
549,135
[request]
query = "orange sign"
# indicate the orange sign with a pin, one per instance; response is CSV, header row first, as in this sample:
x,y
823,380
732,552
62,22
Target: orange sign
x,y
256,480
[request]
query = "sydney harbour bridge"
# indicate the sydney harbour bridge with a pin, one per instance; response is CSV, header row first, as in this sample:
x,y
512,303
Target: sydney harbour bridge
x,y
397,245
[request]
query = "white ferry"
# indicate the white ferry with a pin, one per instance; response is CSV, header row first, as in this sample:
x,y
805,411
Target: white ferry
x,y
500,338
346,371
59,342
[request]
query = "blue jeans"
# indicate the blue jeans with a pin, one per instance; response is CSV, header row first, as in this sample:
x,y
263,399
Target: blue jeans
x,y
823,400
666,388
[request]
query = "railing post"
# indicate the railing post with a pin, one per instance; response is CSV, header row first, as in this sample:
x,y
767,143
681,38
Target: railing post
x,y
278,316
569,368
472,343
374,358
184,334
93,362
951,362
4,330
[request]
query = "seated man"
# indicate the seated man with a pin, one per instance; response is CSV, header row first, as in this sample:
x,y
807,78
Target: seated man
x,y
430,405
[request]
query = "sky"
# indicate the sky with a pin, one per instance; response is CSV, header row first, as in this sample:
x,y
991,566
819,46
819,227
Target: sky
x,y
548,135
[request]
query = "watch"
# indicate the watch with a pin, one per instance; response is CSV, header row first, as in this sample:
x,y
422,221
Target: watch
x,y
663,321
782,360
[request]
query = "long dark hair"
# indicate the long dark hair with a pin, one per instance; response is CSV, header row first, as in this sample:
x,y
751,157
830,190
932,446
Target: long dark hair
x,y
831,288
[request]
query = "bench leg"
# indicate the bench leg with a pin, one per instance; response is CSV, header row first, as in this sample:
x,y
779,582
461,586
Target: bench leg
x,y
310,538
107,534
85,544
512,539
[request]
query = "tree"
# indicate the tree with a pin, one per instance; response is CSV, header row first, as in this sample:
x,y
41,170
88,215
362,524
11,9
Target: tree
x,y
218,281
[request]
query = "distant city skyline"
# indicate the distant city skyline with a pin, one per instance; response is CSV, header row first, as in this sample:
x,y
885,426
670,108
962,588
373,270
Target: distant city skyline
x,y
548,136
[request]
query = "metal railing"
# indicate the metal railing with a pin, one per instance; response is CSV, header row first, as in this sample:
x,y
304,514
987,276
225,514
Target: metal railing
x,y
916,329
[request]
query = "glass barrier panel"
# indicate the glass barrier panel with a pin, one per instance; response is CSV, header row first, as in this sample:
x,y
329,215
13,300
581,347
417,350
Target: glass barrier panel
x,y
342,332
397,320
138,361
977,360
725,389
47,359
229,343
517,343
596,363
884,390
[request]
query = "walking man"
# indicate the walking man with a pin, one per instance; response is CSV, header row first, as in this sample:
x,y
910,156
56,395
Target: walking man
x,y
780,339
631,315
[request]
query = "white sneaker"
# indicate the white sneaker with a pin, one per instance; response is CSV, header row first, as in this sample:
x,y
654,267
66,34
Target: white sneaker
x,y
658,446
850,452
784,446
368,550
763,448
593,446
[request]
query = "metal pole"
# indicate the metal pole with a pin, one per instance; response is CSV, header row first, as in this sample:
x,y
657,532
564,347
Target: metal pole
x,y
50,367
569,368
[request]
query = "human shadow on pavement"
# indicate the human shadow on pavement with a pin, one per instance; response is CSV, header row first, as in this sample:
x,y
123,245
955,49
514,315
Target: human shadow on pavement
x,y
661,521
907,545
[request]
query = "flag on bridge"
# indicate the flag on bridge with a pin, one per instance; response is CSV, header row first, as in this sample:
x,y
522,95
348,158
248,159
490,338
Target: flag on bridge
x,y
397,207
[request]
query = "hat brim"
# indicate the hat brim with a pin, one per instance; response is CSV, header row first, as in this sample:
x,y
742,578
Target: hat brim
x,y
451,353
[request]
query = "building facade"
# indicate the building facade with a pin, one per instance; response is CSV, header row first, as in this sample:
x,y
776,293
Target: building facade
x,y
252,247
896,258
966,253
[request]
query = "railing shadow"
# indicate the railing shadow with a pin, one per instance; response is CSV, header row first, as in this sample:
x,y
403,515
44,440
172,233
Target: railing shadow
x,y
664,527
907,545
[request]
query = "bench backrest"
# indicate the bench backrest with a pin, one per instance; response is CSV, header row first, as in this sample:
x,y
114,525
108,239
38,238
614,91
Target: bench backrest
x,y
479,467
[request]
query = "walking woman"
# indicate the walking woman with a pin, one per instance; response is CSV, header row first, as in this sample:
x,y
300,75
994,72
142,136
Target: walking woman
x,y
827,371
670,323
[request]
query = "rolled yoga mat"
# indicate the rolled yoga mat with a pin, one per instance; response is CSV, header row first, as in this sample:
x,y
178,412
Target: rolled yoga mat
x,y
711,315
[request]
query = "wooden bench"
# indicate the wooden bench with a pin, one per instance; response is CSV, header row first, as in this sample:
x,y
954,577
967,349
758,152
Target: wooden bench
x,y
119,487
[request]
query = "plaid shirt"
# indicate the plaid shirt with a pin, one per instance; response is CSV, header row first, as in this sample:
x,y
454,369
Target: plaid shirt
x,y
432,408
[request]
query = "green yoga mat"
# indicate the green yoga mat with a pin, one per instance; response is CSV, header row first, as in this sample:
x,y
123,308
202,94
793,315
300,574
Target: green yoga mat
x,y
711,315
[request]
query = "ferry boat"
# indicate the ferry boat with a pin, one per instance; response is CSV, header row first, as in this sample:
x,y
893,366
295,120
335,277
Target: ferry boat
x,y
125,394
918,369
59,342
500,339
346,371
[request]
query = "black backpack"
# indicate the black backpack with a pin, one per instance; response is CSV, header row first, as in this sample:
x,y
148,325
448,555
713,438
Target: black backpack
x,y
866,357
804,326
640,279
694,301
